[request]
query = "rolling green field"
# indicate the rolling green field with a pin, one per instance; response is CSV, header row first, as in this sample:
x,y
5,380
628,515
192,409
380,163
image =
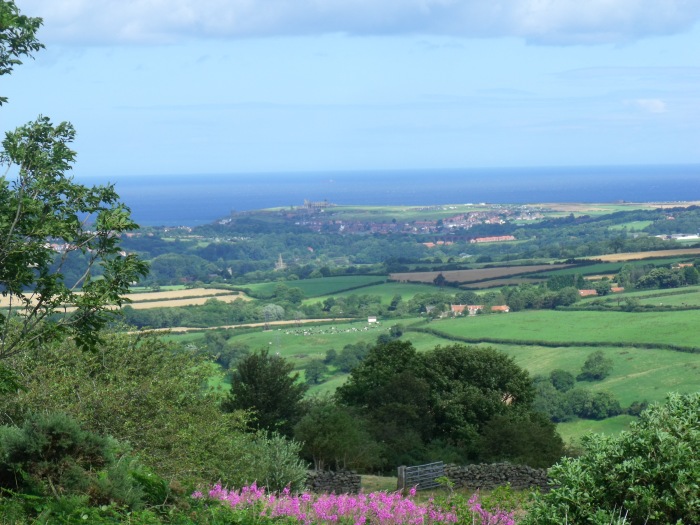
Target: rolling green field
x,y
573,430
402,213
631,226
638,374
307,342
658,328
614,267
642,294
386,291
321,286
690,298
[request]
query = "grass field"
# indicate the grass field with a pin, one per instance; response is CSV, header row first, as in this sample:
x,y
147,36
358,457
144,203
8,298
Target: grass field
x,y
613,267
604,208
403,213
573,430
497,283
321,286
631,226
659,328
468,276
689,298
386,291
301,344
637,374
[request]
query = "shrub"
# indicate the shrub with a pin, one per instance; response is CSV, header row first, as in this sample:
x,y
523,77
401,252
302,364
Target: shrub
x,y
52,456
596,367
648,474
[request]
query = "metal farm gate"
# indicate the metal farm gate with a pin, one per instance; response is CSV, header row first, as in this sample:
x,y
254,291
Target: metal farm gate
x,y
421,476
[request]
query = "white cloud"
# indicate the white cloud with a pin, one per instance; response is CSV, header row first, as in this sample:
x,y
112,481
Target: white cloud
x,y
651,105
540,21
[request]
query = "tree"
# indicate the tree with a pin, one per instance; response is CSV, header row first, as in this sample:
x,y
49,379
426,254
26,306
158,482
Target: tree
x,y
333,435
562,380
602,287
382,363
647,474
437,402
469,385
525,438
272,312
388,388
566,296
262,384
314,371
691,275
440,280
596,367
551,402
17,38
48,222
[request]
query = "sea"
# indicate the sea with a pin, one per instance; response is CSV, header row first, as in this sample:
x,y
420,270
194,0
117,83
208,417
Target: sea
x,y
191,200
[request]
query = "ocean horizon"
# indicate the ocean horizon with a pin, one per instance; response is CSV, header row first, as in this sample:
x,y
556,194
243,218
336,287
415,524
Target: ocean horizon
x,y
191,200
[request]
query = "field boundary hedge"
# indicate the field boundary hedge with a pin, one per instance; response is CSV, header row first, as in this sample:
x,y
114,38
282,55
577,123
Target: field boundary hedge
x,y
553,344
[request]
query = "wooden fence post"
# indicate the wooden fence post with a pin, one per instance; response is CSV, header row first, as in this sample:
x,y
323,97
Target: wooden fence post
x,y
401,479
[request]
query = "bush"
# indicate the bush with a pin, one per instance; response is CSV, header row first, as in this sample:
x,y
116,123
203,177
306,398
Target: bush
x,y
146,393
649,473
52,456
596,367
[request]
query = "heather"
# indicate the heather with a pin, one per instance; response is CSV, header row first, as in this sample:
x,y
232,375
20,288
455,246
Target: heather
x,y
252,503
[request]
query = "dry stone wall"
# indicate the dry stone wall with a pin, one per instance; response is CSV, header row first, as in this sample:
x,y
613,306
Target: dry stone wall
x,y
497,474
338,482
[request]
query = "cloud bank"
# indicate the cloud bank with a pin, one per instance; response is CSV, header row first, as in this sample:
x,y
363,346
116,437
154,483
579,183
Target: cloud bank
x,y
553,22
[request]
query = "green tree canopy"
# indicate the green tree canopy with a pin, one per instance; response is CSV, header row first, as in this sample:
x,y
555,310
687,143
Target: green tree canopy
x,y
596,367
438,402
46,219
17,38
469,385
334,436
264,385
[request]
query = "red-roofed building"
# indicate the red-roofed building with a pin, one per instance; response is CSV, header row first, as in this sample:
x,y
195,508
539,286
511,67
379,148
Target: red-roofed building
x,y
457,309
587,293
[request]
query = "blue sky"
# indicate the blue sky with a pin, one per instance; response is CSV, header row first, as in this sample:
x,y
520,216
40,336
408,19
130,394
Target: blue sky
x,y
157,87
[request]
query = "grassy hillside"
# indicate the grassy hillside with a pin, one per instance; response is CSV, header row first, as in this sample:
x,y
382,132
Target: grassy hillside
x,y
652,328
386,291
321,286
